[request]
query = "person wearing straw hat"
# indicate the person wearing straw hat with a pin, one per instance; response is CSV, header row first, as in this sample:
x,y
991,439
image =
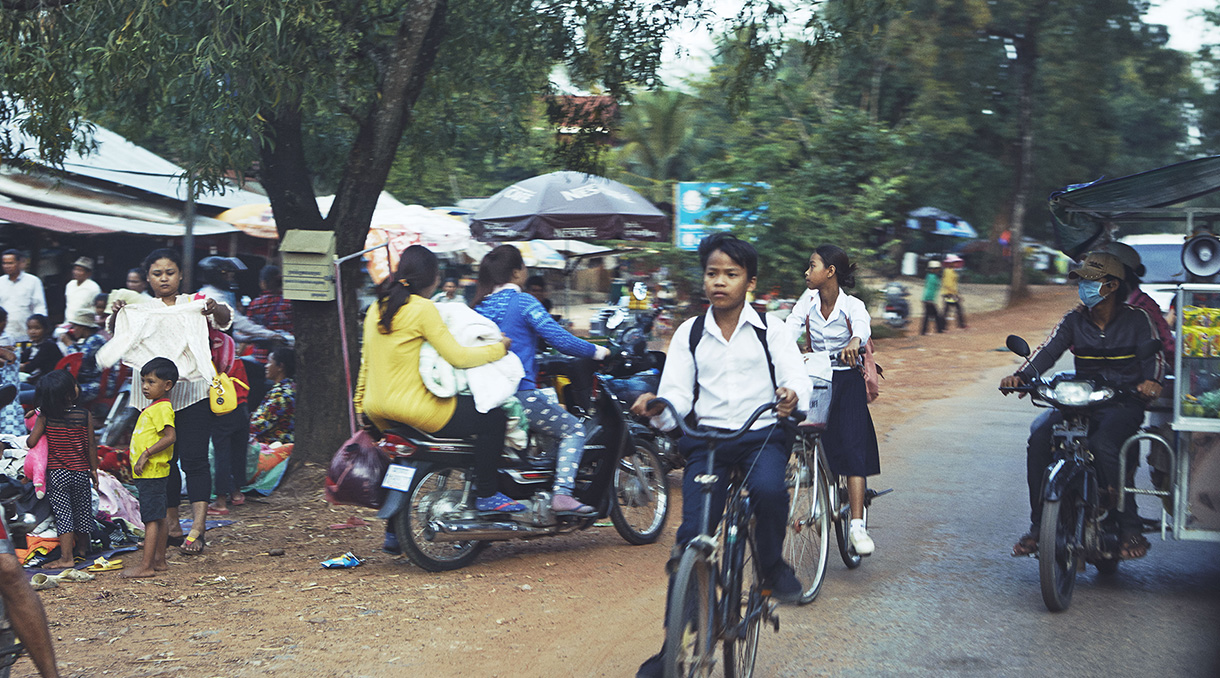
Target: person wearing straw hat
x,y
81,289
84,338
1103,334
949,293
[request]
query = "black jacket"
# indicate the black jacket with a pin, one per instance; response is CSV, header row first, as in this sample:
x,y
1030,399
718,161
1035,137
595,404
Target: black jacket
x,y
1108,354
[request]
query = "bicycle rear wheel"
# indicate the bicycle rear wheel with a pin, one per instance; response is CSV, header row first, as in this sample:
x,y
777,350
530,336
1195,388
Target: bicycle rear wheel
x,y
807,543
690,634
741,601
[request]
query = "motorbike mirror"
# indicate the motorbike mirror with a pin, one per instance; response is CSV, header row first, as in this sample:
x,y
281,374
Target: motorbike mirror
x,y
615,319
1148,349
1017,345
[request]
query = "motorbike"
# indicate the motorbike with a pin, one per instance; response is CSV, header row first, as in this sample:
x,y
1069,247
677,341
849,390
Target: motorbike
x,y
430,497
897,308
1074,530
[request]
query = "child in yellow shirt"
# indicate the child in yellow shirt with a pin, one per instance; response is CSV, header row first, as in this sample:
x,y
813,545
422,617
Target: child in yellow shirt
x,y
152,447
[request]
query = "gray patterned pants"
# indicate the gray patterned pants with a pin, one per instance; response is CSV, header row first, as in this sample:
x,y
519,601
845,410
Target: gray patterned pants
x,y
547,416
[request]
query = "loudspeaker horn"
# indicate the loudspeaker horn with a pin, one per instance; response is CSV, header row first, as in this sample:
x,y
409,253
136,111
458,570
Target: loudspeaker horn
x,y
1201,255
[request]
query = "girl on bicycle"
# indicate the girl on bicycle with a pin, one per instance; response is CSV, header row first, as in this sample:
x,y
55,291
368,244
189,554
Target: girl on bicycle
x,y
832,321
523,319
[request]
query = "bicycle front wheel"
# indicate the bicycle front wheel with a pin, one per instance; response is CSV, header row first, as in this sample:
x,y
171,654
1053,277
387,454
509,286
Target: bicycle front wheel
x,y
807,543
850,558
690,633
742,602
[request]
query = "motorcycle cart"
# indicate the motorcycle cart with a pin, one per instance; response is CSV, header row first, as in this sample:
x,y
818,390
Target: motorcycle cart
x,y
1184,452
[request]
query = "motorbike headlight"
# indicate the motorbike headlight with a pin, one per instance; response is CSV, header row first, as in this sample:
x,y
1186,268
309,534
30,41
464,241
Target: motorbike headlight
x,y
1076,393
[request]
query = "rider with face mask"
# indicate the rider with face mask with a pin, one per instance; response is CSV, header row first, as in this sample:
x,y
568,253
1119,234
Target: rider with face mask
x,y
1103,334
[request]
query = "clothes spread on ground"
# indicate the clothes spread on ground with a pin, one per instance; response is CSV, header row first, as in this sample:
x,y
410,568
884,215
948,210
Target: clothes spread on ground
x,y
491,384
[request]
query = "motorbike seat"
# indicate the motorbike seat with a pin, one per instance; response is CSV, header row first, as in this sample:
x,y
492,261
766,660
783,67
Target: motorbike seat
x,y
412,433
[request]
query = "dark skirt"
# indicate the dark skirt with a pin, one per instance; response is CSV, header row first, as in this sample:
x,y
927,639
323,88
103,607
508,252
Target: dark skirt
x,y
850,439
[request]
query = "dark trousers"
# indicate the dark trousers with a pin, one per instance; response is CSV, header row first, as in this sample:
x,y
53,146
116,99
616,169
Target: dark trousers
x,y
230,436
961,312
487,433
1109,429
193,430
763,455
930,312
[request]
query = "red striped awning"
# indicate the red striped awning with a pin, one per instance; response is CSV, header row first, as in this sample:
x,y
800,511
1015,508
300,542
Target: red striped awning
x,y
49,221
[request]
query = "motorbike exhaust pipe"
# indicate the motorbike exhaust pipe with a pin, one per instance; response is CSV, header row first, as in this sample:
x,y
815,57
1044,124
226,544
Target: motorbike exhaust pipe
x,y
479,530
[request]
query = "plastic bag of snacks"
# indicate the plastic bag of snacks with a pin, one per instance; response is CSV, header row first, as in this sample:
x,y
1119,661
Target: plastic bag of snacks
x,y
1193,342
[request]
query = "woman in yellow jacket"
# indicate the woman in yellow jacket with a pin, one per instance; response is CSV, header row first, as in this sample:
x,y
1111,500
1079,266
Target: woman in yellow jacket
x,y
391,389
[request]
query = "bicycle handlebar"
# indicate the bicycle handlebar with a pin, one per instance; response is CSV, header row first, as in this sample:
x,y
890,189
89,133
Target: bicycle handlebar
x,y
710,434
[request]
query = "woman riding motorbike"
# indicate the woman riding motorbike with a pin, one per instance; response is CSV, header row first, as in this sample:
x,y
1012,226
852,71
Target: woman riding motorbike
x,y
1103,335
390,388
522,318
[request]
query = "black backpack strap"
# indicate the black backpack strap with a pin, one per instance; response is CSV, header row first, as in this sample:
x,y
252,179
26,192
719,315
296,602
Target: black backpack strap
x,y
696,334
762,339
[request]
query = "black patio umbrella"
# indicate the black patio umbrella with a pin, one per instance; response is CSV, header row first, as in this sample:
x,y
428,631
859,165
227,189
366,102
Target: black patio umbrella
x,y
569,206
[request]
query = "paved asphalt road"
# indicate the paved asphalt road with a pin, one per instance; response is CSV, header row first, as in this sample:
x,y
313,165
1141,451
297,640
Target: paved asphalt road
x,y
943,597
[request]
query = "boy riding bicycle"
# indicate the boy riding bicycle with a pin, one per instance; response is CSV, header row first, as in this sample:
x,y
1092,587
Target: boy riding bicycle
x,y
720,367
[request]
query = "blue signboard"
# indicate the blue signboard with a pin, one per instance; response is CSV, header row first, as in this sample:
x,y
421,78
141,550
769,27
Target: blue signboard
x,y
697,211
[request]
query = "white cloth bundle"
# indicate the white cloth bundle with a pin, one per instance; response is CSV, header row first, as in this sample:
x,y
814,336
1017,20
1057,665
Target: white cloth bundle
x,y
491,384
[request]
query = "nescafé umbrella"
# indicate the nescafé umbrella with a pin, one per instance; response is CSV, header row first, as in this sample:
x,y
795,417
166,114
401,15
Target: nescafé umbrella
x,y
569,206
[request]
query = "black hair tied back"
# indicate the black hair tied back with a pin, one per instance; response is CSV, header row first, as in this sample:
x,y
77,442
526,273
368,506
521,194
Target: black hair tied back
x,y
845,270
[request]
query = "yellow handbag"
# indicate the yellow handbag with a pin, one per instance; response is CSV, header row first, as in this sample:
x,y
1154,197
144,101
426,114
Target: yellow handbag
x,y
222,395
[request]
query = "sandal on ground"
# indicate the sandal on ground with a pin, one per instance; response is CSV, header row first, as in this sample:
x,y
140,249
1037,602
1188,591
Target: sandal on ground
x,y
193,547
237,500
566,505
1027,545
1133,546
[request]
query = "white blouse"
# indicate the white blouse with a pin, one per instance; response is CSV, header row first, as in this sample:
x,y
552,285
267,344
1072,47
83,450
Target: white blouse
x,y
848,319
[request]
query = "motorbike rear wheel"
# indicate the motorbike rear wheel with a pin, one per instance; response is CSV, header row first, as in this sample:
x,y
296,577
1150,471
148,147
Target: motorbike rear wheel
x,y
641,495
1060,547
807,544
690,632
439,491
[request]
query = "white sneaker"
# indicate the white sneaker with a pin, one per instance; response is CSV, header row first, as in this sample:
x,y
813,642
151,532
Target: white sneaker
x,y
858,537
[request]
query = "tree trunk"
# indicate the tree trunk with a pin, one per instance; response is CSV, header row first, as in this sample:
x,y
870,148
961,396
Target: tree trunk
x,y
1026,66
323,396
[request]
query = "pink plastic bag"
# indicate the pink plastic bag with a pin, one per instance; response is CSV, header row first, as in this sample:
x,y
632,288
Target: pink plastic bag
x,y
36,459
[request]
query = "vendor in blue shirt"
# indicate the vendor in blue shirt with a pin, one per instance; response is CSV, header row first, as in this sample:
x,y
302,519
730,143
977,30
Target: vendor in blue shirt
x,y
523,319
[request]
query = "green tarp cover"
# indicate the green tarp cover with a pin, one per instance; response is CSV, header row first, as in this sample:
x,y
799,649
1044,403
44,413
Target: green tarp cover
x,y
1075,232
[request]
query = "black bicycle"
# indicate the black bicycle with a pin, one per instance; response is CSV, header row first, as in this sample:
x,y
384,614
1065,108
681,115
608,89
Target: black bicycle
x,y
717,595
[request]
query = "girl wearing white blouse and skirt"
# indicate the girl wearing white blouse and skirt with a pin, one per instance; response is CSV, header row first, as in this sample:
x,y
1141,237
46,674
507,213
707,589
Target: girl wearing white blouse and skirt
x,y
834,322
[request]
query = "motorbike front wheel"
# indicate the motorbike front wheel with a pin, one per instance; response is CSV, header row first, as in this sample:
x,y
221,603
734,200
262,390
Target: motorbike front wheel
x,y
641,495
1060,545
437,493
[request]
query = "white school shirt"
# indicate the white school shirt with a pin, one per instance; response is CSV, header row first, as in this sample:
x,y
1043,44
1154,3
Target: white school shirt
x,y
829,335
733,374
21,298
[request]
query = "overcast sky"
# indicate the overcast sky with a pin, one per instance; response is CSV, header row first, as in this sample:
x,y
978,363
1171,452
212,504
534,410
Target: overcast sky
x,y
694,56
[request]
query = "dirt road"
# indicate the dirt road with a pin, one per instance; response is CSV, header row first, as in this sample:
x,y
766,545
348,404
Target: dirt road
x,y
584,604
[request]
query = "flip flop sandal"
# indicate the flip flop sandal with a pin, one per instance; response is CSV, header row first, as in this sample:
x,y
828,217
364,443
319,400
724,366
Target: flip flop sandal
x,y
238,500
1026,546
1132,543
103,565
42,582
74,575
188,546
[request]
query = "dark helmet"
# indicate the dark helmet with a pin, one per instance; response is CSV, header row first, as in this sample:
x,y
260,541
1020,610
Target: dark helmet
x,y
213,269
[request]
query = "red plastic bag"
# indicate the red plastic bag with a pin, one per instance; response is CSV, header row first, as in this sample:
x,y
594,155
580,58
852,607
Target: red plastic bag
x,y
355,473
